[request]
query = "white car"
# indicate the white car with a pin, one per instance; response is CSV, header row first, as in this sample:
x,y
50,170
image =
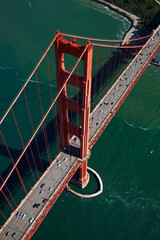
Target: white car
x,y
31,220
23,216
13,235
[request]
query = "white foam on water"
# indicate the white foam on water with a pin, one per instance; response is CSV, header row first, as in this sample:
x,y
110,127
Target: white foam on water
x,y
129,124
145,129
134,126
34,81
24,80
140,202
29,3
6,68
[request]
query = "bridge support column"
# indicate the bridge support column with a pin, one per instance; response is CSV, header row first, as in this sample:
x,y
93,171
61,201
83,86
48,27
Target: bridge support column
x,y
65,103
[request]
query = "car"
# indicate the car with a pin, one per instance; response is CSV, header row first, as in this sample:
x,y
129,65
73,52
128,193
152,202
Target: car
x,y
44,200
101,105
65,160
23,216
72,159
36,205
106,103
31,220
42,185
41,192
59,164
13,235
58,161
76,140
101,111
7,233
50,188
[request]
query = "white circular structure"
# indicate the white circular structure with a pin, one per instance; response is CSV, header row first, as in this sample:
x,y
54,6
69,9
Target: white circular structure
x,y
93,194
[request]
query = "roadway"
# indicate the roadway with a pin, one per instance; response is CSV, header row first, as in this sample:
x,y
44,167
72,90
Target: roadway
x,y
24,221
110,103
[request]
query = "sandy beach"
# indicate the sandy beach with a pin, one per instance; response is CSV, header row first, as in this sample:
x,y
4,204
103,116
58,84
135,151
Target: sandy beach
x,y
132,31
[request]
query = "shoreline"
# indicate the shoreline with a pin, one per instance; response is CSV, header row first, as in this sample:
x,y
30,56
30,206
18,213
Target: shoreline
x,y
132,31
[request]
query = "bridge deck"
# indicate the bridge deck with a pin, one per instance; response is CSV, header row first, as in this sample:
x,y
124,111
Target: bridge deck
x,y
108,106
42,196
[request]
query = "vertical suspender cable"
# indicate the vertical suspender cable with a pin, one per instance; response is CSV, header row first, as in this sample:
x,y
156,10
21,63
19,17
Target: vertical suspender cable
x,y
55,126
3,215
15,167
35,136
96,73
13,209
22,143
44,129
9,192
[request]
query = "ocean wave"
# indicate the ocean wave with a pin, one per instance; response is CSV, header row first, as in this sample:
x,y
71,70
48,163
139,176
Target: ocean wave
x,y
141,203
129,124
134,126
34,81
29,3
24,80
6,68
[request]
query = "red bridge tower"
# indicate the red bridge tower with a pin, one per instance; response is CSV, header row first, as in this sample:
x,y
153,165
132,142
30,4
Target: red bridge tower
x,y
65,103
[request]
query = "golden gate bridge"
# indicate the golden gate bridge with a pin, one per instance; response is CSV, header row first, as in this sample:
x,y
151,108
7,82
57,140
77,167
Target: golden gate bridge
x,y
93,77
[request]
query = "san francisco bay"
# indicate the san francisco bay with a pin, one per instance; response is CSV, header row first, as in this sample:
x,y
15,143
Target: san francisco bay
x,y
126,156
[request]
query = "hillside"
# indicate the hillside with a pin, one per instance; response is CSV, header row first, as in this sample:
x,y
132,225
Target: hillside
x,y
147,10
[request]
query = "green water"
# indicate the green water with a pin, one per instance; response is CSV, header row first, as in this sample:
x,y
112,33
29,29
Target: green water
x,y
127,154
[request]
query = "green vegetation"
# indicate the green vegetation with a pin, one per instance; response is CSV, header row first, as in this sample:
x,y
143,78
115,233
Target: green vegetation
x,y
147,10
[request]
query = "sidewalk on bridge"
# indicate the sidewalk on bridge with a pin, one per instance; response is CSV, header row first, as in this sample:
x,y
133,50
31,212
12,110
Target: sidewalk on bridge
x,y
132,31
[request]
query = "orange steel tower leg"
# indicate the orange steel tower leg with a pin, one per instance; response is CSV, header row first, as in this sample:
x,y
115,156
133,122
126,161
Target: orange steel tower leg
x,y
65,103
